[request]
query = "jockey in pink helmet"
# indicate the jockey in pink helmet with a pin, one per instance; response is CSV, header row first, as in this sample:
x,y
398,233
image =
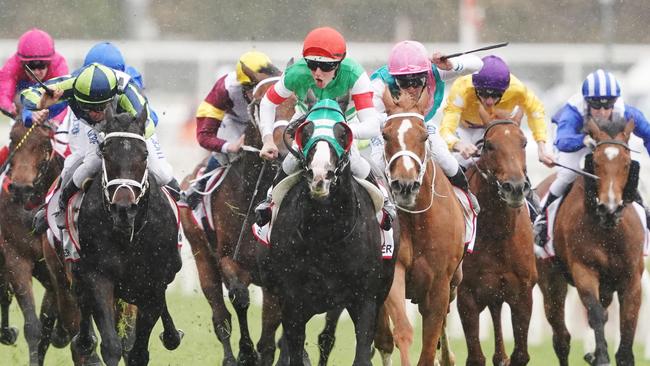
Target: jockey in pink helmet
x,y
410,70
36,50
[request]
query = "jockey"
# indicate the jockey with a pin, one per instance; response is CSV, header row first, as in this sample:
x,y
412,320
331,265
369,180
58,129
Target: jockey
x,y
36,50
600,98
495,91
87,92
410,70
222,117
324,73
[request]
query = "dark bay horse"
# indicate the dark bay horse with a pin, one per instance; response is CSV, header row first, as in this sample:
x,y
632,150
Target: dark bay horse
x,y
431,233
598,242
502,267
129,245
214,253
325,247
33,166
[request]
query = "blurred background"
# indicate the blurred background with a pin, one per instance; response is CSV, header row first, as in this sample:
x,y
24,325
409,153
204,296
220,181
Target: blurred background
x,y
182,47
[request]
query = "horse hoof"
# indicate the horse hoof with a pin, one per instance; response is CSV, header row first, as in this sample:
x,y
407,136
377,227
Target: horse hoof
x,y
60,338
171,343
590,358
84,349
8,336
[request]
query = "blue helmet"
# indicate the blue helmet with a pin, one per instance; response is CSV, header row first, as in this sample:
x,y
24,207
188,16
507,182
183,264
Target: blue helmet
x,y
601,84
107,54
135,76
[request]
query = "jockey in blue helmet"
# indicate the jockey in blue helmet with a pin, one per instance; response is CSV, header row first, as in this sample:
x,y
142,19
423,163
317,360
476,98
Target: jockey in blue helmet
x,y
600,98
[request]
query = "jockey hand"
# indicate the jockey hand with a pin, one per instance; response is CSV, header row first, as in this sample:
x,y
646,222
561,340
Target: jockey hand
x,y
466,149
235,146
47,101
269,149
436,59
545,157
40,117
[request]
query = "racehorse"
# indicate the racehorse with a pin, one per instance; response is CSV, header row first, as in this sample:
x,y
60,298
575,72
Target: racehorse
x,y
214,252
33,166
431,232
502,268
598,242
128,239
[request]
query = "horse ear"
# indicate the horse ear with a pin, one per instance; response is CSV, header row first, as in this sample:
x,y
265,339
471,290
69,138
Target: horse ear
x,y
388,100
629,127
141,119
109,113
290,62
343,134
592,128
519,114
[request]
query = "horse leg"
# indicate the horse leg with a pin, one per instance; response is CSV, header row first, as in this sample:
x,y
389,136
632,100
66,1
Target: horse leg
x,y
433,311
630,300
103,312
327,337
470,312
271,320
500,358
67,322
240,299
586,281
20,277
8,335
395,306
83,343
521,309
148,315
48,317
293,322
447,357
554,289
364,316
384,337
171,337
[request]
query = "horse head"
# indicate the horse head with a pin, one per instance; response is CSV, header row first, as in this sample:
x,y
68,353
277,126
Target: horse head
x,y
503,160
124,172
283,113
405,136
324,141
612,164
29,163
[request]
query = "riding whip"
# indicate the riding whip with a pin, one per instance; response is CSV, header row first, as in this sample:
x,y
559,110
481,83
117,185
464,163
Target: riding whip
x,y
250,205
48,91
498,45
577,171
7,113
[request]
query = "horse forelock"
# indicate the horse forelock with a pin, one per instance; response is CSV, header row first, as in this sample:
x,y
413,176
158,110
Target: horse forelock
x,y
611,128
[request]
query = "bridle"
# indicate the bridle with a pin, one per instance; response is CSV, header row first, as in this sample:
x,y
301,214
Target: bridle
x,y
129,184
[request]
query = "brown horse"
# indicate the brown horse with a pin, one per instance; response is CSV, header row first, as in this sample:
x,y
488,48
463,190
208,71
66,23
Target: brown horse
x,y
214,252
432,233
598,242
33,167
502,269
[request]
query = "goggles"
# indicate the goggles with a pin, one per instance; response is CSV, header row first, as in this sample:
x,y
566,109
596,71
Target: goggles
x,y
37,65
489,93
323,65
601,103
410,81
92,107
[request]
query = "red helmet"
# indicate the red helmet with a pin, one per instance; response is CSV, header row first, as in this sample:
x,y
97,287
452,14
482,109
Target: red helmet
x,y
324,44
35,44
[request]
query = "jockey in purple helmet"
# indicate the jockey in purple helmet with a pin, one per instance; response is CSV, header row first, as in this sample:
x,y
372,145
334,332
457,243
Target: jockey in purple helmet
x,y
600,98
410,70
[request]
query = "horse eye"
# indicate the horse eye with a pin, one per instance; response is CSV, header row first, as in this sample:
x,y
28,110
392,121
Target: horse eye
x,y
488,146
523,145
383,134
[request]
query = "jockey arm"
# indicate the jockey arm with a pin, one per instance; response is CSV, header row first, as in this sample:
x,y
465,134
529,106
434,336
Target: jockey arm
x,y
209,115
31,98
456,102
569,135
362,97
641,125
534,110
460,66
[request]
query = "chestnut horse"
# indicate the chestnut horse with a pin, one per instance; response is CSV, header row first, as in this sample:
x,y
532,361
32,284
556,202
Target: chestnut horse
x,y
33,166
431,233
214,252
598,242
502,267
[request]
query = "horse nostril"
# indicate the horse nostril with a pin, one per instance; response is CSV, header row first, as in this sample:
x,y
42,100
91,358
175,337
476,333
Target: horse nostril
x,y
395,186
507,186
11,187
416,185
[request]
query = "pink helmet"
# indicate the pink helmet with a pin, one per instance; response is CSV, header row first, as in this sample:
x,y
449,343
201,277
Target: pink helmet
x,y
408,57
35,44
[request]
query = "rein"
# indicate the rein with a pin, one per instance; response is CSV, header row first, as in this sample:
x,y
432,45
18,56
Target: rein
x,y
122,182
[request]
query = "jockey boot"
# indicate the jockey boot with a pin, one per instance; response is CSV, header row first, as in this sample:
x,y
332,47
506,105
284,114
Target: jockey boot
x,y
460,180
174,189
66,193
263,210
39,224
193,195
540,227
389,210
532,199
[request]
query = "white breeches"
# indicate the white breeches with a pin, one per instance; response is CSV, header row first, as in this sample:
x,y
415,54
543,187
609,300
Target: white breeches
x,y
564,176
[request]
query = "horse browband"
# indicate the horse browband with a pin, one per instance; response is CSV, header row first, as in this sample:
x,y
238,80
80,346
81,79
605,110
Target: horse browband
x,y
496,123
405,114
614,142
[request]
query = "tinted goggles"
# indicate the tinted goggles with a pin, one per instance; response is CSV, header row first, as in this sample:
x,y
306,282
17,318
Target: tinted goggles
x,y
410,82
600,103
37,65
92,107
325,66
489,93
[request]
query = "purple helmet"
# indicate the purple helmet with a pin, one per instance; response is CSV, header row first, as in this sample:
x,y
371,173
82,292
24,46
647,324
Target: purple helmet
x,y
494,75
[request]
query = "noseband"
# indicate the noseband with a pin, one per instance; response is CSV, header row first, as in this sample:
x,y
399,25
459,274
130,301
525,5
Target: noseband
x,y
123,182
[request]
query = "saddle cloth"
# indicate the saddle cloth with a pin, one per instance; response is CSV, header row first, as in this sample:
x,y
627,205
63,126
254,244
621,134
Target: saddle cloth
x,y
263,234
204,208
470,219
549,251
70,236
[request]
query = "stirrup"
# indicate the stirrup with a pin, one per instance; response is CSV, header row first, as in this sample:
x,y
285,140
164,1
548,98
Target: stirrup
x,y
540,231
39,224
263,213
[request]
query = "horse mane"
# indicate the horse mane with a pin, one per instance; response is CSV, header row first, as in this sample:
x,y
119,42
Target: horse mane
x,y
611,128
